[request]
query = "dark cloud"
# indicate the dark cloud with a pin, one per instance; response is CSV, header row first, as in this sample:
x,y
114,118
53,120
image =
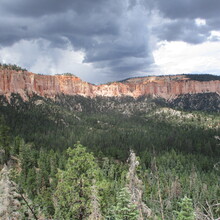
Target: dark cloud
x,y
104,30
178,19
114,35
38,8
188,8
182,30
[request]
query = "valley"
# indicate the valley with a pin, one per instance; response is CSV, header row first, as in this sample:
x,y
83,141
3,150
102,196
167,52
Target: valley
x,y
174,141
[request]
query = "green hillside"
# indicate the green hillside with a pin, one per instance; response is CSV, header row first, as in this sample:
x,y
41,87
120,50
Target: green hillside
x,y
177,151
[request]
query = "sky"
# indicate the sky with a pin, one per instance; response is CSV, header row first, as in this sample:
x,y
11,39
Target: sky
x,y
108,40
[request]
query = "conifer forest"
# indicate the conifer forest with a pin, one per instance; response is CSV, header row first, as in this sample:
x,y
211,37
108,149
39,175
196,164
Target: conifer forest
x,y
161,163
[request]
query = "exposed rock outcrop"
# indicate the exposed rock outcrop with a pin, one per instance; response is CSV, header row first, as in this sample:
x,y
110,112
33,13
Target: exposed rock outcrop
x,y
167,87
23,82
10,200
13,205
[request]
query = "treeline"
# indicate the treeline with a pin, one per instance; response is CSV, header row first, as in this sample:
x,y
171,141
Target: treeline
x,y
202,77
11,67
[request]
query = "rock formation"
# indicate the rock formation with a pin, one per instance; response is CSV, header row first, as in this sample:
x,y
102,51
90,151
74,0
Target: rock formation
x,y
167,87
12,205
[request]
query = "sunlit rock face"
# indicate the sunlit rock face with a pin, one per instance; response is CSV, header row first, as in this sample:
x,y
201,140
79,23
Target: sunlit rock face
x,y
24,82
167,87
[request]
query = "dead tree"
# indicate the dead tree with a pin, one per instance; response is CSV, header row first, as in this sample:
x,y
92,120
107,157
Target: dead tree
x,y
135,187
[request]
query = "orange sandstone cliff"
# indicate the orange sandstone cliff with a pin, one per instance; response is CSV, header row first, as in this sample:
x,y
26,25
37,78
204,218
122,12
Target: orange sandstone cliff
x,y
168,87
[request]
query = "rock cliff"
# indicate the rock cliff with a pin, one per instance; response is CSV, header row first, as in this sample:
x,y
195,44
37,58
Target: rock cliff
x,y
167,87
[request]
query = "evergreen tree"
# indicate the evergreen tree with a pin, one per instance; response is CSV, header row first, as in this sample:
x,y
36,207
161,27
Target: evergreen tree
x,y
75,185
44,170
31,183
27,179
16,144
4,141
186,210
125,209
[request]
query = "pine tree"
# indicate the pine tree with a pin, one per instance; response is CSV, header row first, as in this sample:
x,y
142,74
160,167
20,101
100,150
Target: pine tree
x,y
75,185
125,209
17,142
44,170
186,210
4,140
27,161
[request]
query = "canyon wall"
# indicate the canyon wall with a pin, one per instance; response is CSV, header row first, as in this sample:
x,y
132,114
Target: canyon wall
x,y
24,82
168,87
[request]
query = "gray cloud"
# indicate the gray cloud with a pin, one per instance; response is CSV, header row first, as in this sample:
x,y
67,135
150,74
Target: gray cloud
x,y
178,19
181,30
188,8
32,8
115,36
105,31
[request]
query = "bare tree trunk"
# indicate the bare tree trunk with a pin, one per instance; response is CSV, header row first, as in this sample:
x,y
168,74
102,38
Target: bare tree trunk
x,y
135,187
95,205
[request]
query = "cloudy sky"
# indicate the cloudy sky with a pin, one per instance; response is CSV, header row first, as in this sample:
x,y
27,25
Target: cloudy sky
x,y
108,40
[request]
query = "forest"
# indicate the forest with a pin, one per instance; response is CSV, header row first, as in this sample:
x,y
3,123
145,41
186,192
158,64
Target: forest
x,y
76,161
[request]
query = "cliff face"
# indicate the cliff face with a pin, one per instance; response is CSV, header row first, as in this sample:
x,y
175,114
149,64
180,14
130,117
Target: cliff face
x,y
24,82
167,87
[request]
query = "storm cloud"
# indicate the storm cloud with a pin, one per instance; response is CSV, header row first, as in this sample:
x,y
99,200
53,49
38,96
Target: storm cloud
x,y
116,37
178,19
